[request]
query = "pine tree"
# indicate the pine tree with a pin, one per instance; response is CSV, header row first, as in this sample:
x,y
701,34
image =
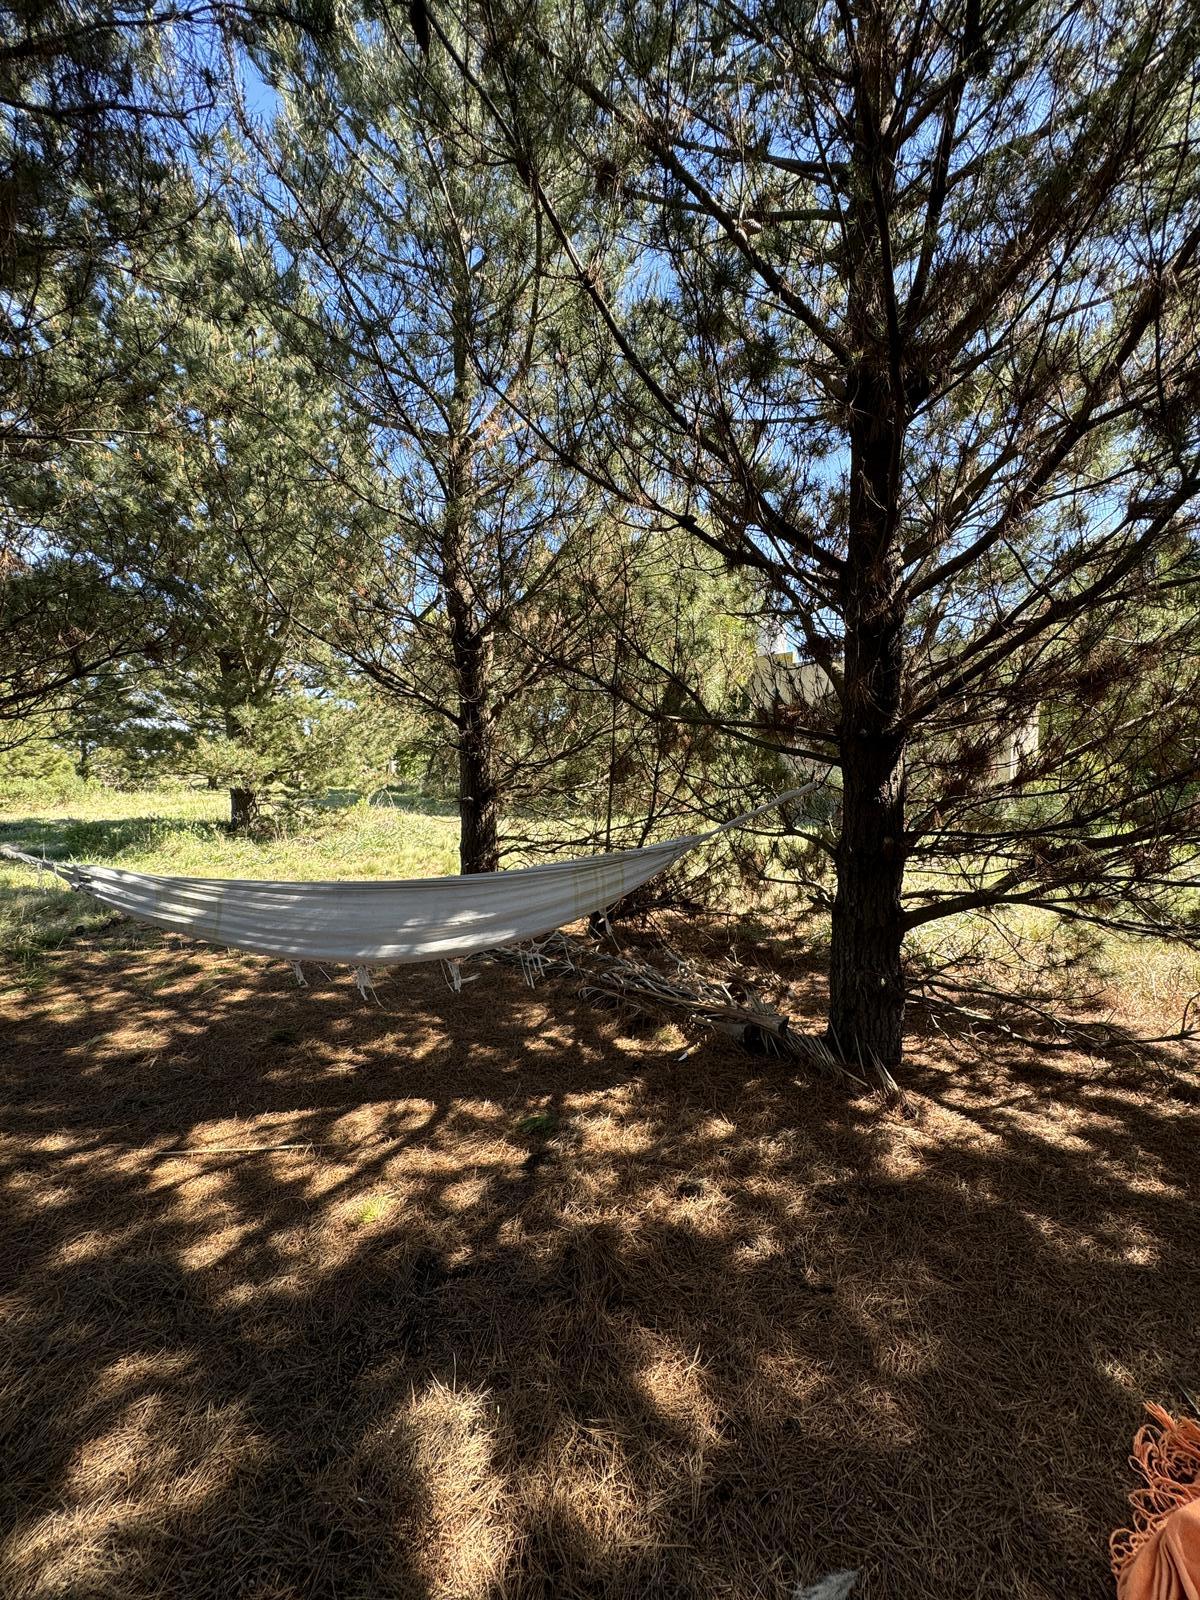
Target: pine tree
x,y
433,303
219,509
92,181
916,341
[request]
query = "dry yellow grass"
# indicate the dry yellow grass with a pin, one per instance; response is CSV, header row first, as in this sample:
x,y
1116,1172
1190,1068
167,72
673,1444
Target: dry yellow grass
x,y
536,1309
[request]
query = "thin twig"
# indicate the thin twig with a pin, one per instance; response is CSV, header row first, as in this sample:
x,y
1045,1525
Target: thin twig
x,y
233,1150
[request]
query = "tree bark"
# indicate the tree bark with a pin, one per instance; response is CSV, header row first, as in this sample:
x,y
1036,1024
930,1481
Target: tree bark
x,y
478,837
470,642
243,803
866,981
866,975
243,808
478,844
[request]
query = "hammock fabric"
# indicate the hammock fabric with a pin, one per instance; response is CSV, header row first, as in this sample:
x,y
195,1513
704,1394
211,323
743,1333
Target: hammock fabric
x,y
380,923
1158,1558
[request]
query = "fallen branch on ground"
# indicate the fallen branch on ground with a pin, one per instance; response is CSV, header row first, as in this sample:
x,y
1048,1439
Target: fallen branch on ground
x,y
685,994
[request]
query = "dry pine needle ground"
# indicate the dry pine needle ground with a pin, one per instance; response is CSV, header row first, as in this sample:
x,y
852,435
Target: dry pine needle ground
x,y
538,1309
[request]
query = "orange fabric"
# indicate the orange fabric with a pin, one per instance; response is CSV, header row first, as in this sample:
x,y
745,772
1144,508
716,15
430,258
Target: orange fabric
x,y
1167,1565
1158,1558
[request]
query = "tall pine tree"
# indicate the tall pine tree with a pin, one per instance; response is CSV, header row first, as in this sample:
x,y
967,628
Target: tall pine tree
x,y
434,299
915,339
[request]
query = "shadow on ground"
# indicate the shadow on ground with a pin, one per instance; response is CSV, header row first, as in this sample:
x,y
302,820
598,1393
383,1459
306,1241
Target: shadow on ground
x,y
526,1305
107,838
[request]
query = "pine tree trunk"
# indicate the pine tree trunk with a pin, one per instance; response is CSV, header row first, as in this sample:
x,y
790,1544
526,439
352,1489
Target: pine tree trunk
x,y
478,843
866,976
243,803
243,808
866,981
470,642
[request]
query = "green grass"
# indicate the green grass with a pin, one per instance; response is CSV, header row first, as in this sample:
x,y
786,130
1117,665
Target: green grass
x,y
538,1122
374,1210
178,831
1030,950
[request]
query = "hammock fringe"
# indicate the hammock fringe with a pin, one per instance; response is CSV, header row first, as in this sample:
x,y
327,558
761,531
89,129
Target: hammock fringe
x,y
1166,1456
615,979
365,984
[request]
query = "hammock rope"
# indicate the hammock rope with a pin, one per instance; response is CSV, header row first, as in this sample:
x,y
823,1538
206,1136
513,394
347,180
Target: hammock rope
x,y
365,923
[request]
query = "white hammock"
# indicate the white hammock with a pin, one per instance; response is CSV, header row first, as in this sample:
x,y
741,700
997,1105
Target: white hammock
x,y
382,923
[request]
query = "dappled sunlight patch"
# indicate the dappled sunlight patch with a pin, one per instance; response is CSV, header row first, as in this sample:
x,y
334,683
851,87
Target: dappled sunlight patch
x,y
332,1179
91,1246
772,1195
354,1128
759,1249
591,1192
588,1492
882,1414
461,1537
220,1244
65,1007
674,1386
373,1210
464,1194
193,1183
1138,1249
136,1372
1120,1240
715,1130
49,1195
905,1356
118,1458
788,1383
250,1299
707,1213
127,1492
616,1137
72,1550
406,1115
1122,1376
1148,1180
